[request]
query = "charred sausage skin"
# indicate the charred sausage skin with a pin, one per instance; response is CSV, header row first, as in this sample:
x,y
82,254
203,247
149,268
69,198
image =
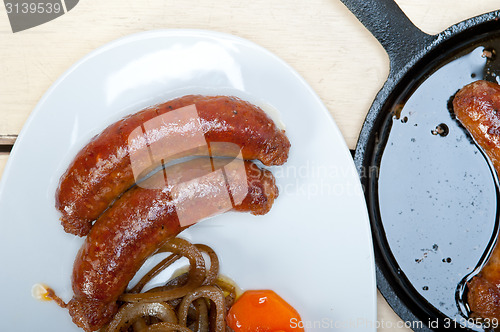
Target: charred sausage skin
x,y
477,107
130,231
102,170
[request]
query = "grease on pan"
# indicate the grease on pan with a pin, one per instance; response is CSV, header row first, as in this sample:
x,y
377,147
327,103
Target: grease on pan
x,y
437,194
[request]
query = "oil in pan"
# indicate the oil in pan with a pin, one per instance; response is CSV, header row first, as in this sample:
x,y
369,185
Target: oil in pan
x,y
437,194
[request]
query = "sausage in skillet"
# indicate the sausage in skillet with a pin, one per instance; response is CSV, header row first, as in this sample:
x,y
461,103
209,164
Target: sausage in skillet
x,y
477,106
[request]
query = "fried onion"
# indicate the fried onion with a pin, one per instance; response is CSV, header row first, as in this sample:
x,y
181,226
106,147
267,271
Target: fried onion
x,y
130,312
197,274
216,297
194,301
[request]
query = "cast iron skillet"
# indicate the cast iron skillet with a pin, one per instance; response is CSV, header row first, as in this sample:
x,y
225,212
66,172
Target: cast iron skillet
x,y
431,194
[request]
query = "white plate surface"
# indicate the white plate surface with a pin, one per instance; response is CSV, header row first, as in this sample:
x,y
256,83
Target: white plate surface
x,y
314,248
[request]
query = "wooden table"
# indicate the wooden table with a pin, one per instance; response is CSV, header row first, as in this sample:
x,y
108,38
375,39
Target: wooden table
x,y
321,39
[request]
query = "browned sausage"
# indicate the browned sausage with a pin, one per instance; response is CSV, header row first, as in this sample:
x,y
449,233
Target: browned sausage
x,y
477,106
104,168
141,220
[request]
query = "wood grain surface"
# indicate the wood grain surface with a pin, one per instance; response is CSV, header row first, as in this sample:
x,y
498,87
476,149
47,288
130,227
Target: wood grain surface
x,y
321,39
3,161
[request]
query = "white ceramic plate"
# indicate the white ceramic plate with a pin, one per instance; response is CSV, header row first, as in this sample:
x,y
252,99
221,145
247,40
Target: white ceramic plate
x,y
314,248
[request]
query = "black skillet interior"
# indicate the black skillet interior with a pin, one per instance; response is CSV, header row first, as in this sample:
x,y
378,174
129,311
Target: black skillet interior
x,y
431,193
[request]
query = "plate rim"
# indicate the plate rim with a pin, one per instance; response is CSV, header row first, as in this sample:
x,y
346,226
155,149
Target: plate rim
x,y
179,33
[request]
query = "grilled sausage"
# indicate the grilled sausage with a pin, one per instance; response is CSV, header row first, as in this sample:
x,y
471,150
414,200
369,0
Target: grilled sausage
x,y
477,107
142,219
105,167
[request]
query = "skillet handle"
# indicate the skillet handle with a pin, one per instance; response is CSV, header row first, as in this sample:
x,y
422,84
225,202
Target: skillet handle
x,y
401,39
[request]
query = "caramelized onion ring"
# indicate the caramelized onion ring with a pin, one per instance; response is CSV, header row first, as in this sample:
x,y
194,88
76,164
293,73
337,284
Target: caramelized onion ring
x,y
132,311
188,292
163,327
202,323
215,295
213,272
229,289
154,272
210,278
197,273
